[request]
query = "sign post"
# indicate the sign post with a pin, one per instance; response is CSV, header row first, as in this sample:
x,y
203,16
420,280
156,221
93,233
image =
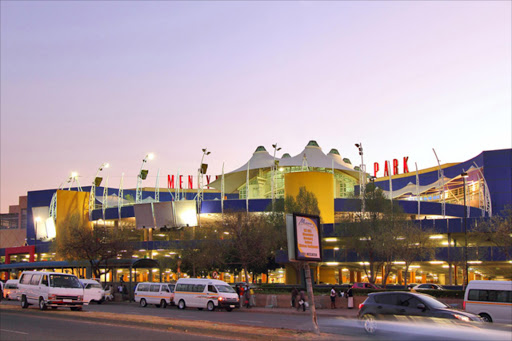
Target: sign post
x,y
304,246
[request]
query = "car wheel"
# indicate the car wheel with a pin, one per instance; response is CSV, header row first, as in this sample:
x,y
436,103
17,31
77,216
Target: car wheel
x,y
486,318
369,323
163,304
42,305
24,303
210,306
143,303
181,304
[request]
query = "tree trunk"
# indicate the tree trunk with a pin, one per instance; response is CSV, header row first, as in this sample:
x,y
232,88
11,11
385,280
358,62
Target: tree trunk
x,y
311,298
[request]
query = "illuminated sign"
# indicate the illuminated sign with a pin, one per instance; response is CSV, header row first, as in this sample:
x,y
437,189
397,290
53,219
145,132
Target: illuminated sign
x,y
178,181
394,168
304,239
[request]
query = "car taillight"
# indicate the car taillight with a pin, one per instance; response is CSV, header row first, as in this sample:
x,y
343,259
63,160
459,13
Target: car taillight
x,y
361,305
464,305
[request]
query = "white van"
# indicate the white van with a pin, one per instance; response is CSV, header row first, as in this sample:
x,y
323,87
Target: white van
x,y
205,293
159,294
50,289
492,300
93,292
11,289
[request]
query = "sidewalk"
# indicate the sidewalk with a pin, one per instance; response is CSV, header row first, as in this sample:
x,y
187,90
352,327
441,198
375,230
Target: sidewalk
x,y
341,312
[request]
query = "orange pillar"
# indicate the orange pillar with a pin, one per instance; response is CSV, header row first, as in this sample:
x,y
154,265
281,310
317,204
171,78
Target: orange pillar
x,y
399,277
358,274
352,276
424,278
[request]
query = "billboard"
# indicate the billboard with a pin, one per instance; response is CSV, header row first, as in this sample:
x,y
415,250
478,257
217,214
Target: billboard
x,y
304,239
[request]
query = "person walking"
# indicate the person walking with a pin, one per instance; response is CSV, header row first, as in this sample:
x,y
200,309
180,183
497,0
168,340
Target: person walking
x,y
302,300
350,297
247,297
333,298
295,292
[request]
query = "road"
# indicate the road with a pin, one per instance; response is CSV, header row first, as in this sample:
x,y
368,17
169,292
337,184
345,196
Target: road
x,y
332,327
16,326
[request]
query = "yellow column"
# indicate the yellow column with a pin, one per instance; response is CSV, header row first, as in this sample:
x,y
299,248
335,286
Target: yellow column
x,y
424,278
399,277
358,274
471,276
352,276
413,277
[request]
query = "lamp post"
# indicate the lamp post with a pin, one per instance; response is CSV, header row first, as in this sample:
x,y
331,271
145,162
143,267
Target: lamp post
x,y
95,183
362,177
273,174
203,167
143,174
464,175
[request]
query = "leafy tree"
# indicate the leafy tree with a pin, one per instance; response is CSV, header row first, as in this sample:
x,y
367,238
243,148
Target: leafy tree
x,y
497,232
372,234
77,240
305,202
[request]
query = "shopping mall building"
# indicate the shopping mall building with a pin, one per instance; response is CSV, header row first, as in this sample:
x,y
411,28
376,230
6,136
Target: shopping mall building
x,y
433,197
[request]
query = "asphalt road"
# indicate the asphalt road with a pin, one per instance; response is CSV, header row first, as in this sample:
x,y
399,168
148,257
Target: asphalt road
x,y
19,326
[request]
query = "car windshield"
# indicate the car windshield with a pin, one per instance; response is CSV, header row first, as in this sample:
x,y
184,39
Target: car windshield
x,y
64,281
433,303
225,288
94,286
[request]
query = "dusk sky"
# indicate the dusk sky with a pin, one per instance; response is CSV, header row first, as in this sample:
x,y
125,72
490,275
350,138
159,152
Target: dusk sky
x,y
87,82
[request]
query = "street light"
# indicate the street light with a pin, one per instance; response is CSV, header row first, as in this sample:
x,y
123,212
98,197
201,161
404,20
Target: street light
x,y
95,183
273,173
202,170
362,177
143,174
464,175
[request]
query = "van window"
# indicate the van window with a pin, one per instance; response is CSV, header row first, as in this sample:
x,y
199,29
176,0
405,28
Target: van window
x,y
64,281
211,288
199,287
490,295
25,279
143,287
165,288
45,280
155,288
171,287
225,288
35,279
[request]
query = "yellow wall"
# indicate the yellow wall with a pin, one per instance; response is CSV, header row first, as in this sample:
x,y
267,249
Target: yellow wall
x,y
328,275
320,184
70,203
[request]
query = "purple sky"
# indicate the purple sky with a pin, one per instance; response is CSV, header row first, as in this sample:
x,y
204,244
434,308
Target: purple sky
x,y
84,82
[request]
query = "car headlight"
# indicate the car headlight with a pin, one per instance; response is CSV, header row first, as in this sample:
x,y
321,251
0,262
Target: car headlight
x,y
52,297
462,317
221,298
80,298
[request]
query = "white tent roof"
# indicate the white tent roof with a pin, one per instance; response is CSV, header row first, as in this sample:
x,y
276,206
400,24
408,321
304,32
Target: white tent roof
x,y
411,188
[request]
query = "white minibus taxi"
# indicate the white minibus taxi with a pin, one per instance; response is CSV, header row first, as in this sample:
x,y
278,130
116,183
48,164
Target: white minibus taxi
x,y
93,292
50,289
205,293
159,294
11,289
492,300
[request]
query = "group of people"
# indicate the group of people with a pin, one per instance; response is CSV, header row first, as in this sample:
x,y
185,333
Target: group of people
x,y
244,295
298,299
347,294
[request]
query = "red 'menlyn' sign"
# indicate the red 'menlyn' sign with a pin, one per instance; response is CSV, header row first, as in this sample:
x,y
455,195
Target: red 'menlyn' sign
x,y
171,184
394,167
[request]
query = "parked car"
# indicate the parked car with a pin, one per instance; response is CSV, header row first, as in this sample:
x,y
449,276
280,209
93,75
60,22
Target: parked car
x,y
360,285
390,305
427,286
50,289
93,292
11,289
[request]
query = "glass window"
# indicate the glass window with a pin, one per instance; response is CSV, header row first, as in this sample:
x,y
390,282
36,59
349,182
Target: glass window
x,y
155,288
211,288
35,280
143,287
409,301
390,299
45,280
199,287
64,281
25,279
171,287
165,288
225,288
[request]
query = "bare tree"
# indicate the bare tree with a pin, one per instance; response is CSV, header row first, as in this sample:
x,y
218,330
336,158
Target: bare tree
x,y
77,240
497,232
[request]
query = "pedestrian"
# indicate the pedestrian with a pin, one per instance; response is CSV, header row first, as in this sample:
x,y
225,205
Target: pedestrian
x,y
295,292
237,289
333,298
302,300
350,297
247,297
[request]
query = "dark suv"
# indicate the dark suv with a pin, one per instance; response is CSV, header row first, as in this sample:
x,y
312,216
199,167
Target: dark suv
x,y
386,305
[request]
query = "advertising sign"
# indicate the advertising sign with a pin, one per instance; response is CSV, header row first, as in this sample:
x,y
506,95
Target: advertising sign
x,y
307,239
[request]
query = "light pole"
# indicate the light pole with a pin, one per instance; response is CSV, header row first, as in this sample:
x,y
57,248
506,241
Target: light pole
x,y
464,175
95,183
143,174
203,167
362,177
273,174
